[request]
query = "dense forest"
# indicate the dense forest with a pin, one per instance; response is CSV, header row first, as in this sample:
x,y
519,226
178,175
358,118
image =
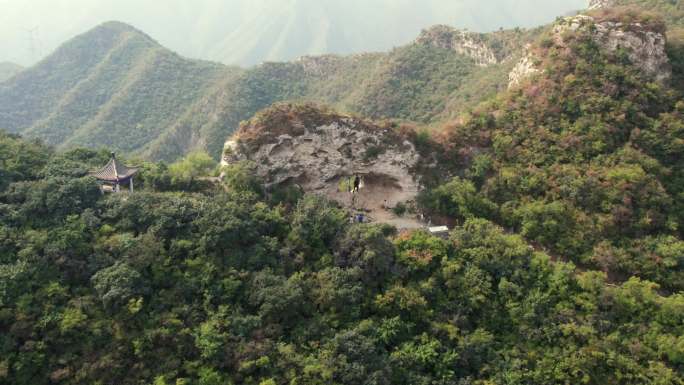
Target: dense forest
x,y
564,263
186,282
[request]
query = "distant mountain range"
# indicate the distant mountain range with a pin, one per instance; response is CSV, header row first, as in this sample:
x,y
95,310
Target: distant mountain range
x,y
111,86
248,32
115,86
285,30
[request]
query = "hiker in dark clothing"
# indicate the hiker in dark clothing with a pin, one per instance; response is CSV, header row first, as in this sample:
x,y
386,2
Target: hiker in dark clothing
x,y
357,183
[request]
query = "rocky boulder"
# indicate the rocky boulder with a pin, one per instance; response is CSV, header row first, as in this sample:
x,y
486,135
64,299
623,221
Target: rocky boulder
x,y
320,151
644,44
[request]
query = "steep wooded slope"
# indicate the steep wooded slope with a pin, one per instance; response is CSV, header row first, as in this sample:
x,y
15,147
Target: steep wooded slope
x,y
584,157
112,86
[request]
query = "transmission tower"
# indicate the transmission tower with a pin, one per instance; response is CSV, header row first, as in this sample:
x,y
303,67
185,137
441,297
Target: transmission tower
x,y
33,44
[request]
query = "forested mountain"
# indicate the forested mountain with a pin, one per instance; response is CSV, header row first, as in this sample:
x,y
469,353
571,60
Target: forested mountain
x,y
115,86
285,30
585,158
564,191
249,32
111,86
131,94
7,70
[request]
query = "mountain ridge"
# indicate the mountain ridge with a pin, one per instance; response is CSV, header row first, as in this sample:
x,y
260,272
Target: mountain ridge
x,y
113,66
132,94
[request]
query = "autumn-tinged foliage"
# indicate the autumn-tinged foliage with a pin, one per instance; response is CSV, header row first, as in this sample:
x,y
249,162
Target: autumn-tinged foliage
x,y
565,264
220,286
585,161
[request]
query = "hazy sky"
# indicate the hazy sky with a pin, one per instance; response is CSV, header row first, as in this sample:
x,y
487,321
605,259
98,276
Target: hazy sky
x,y
247,31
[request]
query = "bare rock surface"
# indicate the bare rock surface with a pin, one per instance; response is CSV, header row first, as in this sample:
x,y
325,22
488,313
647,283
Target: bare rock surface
x,y
599,4
525,68
470,44
323,152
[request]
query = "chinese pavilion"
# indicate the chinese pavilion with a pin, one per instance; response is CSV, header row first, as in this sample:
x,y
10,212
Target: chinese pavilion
x,y
113,175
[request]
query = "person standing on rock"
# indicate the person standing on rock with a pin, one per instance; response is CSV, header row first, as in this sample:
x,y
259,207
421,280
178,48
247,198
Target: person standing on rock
x,y
357,183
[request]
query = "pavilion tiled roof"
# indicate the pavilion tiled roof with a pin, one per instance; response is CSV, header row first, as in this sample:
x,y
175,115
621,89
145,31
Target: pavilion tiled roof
x,y
114,171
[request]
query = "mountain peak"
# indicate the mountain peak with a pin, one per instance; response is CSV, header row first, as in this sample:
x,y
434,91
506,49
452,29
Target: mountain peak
x,y
89,76
115,27
118,25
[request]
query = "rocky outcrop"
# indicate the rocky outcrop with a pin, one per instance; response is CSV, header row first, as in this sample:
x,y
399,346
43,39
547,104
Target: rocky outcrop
x,y
525,68
599,4
472,45
320,151
644,46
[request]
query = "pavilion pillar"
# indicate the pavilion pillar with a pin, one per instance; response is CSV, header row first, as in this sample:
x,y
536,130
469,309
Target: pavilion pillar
x,y
130,183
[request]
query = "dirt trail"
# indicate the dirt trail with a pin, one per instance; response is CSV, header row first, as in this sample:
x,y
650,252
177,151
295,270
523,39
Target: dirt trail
x,y
401,223
372,200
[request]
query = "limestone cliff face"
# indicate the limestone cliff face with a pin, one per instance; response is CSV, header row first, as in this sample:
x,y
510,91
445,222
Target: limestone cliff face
x,y
599,4
472,45
321,151
644,46
525,68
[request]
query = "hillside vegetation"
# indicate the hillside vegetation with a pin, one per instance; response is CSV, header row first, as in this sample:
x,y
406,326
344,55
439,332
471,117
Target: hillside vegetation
x,y
189,283
671,11
113,86
564,263
116,87
584,161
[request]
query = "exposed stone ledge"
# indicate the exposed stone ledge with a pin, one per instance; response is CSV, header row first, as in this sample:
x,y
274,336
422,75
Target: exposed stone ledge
x,y
470,44
644,47
599,4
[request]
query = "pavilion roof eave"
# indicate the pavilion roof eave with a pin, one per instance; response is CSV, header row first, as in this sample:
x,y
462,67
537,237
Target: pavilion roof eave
x,y
114,172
